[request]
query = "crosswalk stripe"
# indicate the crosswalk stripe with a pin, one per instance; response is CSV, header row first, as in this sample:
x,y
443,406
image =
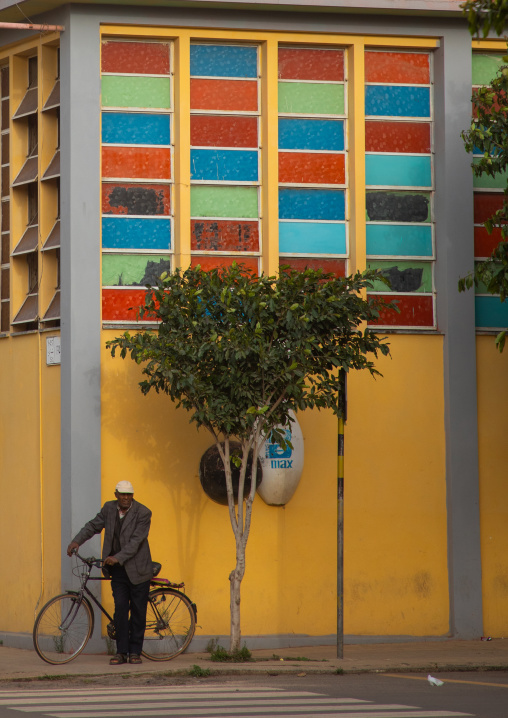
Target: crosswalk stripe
x,y
155,707
87,698
314,714
160,689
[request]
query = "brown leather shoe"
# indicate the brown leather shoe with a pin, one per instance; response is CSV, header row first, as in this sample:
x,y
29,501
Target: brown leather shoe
x,y
118,659
134,658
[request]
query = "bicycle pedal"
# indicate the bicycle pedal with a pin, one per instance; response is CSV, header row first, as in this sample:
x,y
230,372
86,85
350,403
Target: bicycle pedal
x,y
110,628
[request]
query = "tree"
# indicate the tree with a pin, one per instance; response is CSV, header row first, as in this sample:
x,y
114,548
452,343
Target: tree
x,y
488,134
238,352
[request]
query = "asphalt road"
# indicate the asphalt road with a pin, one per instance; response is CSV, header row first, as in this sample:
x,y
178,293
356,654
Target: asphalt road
x,y
366,695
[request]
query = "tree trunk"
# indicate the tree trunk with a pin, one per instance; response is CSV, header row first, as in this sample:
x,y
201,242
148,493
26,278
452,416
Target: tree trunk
x,y
235,580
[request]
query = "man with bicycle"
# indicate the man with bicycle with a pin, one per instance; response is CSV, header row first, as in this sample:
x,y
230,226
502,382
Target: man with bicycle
x,y
126,554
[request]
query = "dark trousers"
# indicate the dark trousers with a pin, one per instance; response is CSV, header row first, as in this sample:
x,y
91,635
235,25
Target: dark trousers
x,y
129,599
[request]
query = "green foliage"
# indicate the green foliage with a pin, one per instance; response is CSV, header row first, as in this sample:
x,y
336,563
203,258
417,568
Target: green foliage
x,y
220,655
489,134
238,351
198,672
486,15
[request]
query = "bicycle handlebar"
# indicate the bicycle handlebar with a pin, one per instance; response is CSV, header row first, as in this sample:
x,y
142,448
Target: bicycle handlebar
x,y
92,561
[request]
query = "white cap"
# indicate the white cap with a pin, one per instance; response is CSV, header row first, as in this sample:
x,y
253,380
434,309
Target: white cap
x,y
124,487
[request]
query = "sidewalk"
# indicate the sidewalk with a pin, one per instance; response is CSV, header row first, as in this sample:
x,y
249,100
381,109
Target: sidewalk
x,y
431,656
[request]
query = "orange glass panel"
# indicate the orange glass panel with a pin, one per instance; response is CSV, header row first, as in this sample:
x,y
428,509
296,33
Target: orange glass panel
x,y
415,311
121,304
224,95
397,67
485,243
139,199
224,235
150,58
311,168
224,131
311,64
381,136
136,162
485,204
219,261
331,266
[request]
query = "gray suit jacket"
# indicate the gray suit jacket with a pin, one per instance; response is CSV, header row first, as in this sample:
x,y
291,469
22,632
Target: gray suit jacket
x,y
134,553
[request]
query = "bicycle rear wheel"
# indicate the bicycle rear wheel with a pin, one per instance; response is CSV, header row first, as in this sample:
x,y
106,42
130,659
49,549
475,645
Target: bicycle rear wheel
x,y
62,628
170,624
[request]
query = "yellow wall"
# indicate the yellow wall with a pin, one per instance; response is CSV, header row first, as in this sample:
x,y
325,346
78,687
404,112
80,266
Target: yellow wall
x,y
492,402
394,505
29,478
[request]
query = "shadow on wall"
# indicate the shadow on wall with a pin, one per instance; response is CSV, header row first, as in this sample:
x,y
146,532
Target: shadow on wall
x,y
148,441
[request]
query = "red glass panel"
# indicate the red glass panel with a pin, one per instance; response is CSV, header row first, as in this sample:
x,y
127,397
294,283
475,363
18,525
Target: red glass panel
x,y
381,136
485,243
320,168
224,236
139,162
224,95
333,266
406,67
311,64
415,311
121,304
219,261
485,204
151,58
220,131
141,199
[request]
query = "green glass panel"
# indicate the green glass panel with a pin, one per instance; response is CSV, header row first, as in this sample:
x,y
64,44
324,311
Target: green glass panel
x,y
482,288
207,201
485,68
132,91
487,182
311,98
123,270
404,276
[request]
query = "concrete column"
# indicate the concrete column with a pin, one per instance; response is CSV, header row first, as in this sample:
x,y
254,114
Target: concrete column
x,y
80,273
456,319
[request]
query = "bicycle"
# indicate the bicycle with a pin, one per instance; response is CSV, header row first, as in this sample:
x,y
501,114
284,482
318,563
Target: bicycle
x,y
65,623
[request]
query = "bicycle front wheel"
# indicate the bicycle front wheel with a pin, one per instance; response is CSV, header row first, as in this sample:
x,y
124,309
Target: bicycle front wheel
x,y
62,628
170,624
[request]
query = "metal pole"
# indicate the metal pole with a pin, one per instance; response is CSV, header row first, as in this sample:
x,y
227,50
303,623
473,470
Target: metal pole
x,y
30,26
340,516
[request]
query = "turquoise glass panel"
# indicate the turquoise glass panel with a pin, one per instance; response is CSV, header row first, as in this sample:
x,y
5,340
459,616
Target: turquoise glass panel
x,y
312,238
403,240
136,233
491,313
312,204
398,171
397,101
303,134
135,128
224,165
223,61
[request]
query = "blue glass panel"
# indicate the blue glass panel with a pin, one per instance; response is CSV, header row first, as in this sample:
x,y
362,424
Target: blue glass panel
x,y
223,61
311,204
312,238
134,233
135,128
396,101
491,313
398,171
224,165
399,240
296,134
